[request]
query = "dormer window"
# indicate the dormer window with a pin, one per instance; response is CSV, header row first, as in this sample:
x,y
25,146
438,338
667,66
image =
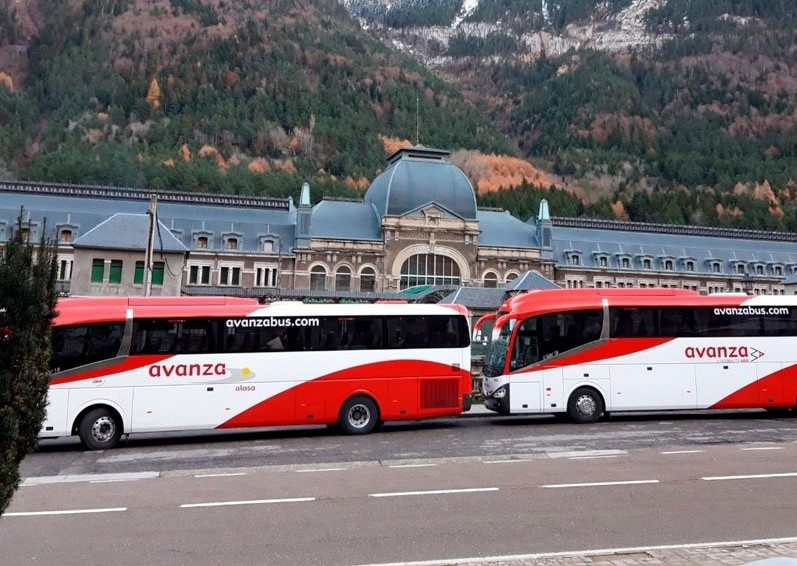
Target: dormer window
x,y
202,242
574,258
759,269
689,265
65,235
232,243
778,270
740,268
268,246
646,263
668,265
716,267
25,234
626,263
602,261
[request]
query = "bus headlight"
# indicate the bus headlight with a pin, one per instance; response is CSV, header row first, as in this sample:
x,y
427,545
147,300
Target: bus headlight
x,y
500,393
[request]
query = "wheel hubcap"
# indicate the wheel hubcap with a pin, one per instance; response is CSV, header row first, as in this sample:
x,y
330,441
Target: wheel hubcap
x,y
586,406
359,415
103,429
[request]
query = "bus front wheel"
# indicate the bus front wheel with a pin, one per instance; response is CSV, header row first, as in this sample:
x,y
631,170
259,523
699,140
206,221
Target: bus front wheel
x,y
100,429
585,405
359,415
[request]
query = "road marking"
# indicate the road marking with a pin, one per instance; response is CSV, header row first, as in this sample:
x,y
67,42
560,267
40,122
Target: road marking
x,y
65,512
220,475
585,453
321,470
751,477
505,461
249,502
433,492
583,553
764,448
598,483
41,480
412,465
683,452
592,457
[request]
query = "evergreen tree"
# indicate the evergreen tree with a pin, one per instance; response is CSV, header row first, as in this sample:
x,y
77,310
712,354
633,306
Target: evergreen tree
x,y
27,308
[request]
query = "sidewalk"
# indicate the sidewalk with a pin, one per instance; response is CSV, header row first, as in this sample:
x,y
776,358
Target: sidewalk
x,y
716,554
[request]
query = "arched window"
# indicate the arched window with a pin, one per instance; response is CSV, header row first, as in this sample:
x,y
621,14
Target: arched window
x,y
343,278
202,242
429,269
510,277
232,243
66,235
490,280
367,279
318,278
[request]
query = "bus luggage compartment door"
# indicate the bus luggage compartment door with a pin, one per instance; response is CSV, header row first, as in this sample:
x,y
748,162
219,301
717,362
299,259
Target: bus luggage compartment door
x,y
525,390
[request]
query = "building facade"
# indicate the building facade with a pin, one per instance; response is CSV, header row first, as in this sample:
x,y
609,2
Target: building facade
x,y
418,225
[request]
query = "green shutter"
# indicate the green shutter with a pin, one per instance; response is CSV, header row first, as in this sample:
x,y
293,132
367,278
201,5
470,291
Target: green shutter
x,y
138,277
97,270
157,273
115,275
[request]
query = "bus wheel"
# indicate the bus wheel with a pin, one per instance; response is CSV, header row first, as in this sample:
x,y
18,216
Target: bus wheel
x,y
358,415
585,405
100,429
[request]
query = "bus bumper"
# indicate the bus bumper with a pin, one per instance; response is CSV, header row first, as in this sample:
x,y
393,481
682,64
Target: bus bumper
x,y
498,404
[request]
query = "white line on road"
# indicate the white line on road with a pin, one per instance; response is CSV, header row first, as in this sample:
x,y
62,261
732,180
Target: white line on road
x,y
250,502
582,553
321,470
220,475
433,492
41,480
751,477
683,452
598,483
764,448
505,461
412,465
584,453
65,512
592,457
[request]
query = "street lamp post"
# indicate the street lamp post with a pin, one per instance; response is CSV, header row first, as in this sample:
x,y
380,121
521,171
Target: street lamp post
x,y
747,283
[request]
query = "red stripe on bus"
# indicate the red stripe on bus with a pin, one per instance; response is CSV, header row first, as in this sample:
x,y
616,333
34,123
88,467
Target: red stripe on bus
x,y
612,348
778,389
124,364
389,383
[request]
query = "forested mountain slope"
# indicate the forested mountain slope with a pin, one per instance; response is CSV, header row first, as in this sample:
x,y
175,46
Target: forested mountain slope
x,y
693,100
220,95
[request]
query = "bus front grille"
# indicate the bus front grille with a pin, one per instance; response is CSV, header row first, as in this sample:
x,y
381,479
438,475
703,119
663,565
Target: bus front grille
x,y
439,393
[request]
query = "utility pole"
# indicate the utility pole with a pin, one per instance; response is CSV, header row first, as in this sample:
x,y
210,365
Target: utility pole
x,y
153,208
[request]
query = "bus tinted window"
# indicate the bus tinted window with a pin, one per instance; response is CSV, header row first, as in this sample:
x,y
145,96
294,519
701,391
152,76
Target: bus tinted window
x,y
426,332
702,322
164,336
633,322
75,346
541,337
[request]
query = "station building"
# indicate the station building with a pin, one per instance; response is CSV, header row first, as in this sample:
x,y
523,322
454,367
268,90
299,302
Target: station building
x,y
417,227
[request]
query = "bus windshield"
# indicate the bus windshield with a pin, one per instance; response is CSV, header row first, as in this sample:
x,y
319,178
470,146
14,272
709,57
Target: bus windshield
x,y
495,358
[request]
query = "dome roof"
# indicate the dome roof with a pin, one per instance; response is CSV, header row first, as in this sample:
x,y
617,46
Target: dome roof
x,y
418,176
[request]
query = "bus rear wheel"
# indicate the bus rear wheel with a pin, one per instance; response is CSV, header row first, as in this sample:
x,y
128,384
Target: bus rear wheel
x,y
100,429
585,405
359,415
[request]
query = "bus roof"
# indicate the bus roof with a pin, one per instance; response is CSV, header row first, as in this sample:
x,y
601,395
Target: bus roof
x,y
554,300
81,310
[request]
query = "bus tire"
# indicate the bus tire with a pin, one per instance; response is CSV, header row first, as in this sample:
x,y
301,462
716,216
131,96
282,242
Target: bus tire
x,y
100,429
358,415
585,405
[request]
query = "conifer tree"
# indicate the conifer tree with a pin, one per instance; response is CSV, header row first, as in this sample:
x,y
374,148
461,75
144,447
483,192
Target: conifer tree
x,y
27,308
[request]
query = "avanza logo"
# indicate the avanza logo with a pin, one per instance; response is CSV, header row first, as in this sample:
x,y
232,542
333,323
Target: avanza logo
x,y
746,353
187,370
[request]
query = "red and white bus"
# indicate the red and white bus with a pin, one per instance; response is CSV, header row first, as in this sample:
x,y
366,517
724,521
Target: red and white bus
x,y
587,352
131,364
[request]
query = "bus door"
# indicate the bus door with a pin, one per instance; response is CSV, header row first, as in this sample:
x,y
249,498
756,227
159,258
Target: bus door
x,y
526,385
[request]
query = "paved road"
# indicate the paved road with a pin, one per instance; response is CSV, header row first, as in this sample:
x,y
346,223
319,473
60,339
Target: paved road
x,y
508,491
462,437
387,512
